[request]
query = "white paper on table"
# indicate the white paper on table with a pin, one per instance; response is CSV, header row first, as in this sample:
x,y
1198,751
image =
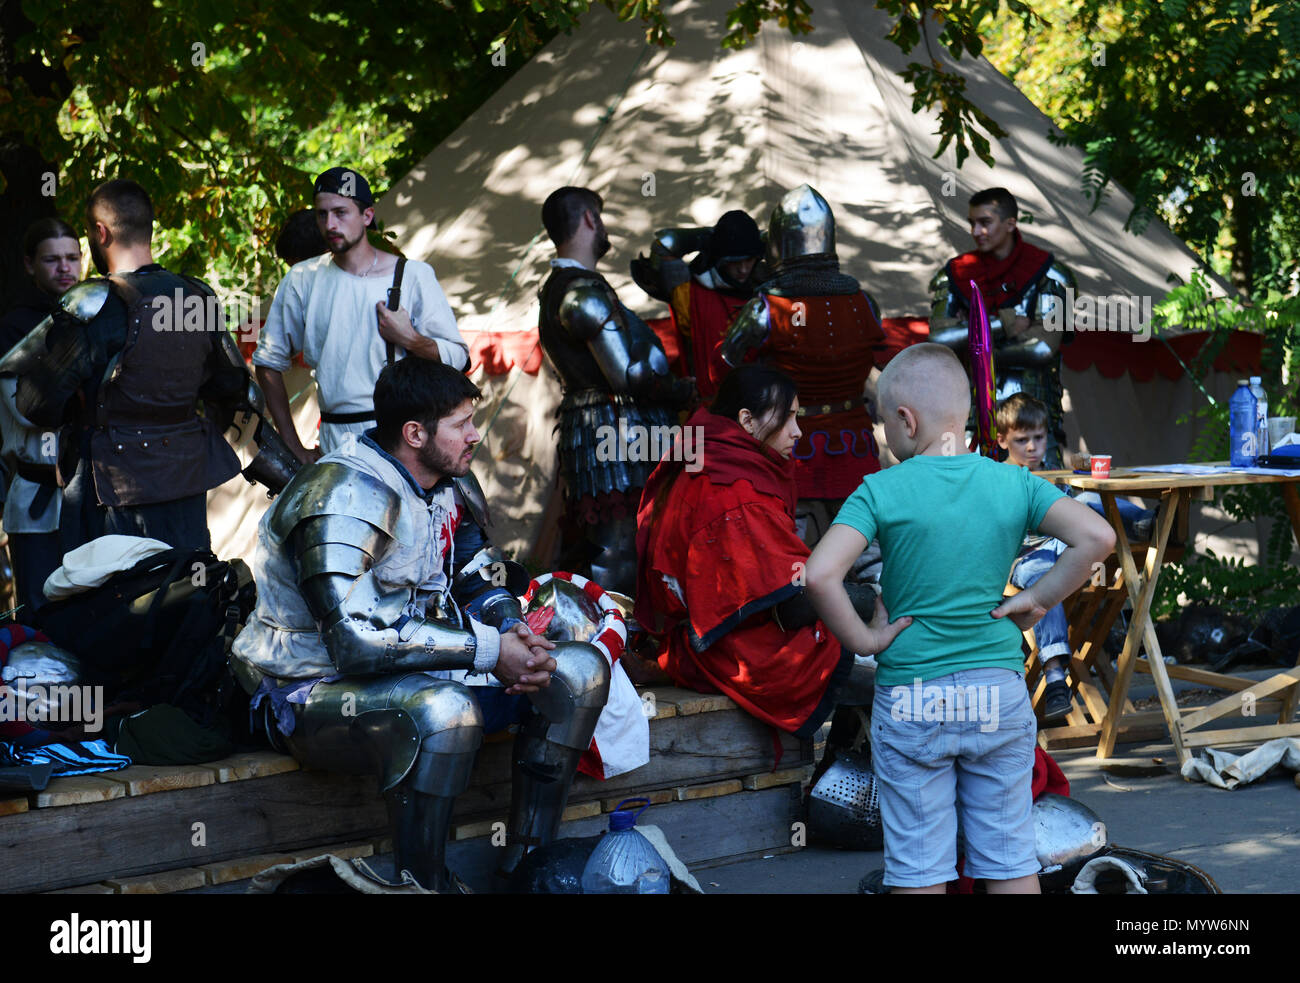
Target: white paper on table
x,y
1285,473
1196,469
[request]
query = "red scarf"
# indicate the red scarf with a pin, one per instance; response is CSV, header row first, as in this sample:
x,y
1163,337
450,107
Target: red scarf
x,y
1002,281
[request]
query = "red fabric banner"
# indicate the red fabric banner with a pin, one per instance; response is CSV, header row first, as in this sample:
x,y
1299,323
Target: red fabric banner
x,y
500,351
1112,353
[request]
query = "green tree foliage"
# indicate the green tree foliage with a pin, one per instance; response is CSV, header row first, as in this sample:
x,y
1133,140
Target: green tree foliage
x,y
225,111
1191,105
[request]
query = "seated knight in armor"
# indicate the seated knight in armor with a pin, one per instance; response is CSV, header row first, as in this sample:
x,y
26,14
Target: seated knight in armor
x,y
1021,283
388,635
819,326
619,395
705,295
720,567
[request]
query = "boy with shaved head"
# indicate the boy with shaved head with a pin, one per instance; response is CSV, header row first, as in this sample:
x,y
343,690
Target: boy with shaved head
x,y
952,727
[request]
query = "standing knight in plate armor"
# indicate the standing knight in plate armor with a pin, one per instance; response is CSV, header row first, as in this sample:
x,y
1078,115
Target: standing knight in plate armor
x,y
382,611
817,325
1022,284
618,393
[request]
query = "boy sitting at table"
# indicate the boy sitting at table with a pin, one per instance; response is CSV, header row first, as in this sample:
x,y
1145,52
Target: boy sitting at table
x,y
1022,433
949,524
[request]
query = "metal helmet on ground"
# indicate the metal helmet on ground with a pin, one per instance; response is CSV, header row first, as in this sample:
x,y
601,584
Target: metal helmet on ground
x,y
1067,834
801,225
40,671
844,805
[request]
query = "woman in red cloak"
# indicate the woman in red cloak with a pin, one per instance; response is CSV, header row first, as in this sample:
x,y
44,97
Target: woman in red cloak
x,y
720,565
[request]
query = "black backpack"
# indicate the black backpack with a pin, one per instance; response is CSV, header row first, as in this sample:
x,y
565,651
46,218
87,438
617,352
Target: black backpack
x,y
160,632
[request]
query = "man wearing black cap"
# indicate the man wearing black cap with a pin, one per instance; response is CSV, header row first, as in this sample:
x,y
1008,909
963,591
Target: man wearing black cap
x,y
705,295
335,309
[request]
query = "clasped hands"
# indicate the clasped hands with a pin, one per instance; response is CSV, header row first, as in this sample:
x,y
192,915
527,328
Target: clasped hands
x,y
525,663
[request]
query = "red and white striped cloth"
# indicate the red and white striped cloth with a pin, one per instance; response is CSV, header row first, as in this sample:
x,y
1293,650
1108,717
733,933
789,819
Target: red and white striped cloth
x,y
622,738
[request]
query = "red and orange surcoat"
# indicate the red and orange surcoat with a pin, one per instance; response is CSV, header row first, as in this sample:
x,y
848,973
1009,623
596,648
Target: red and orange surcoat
x,y
828,345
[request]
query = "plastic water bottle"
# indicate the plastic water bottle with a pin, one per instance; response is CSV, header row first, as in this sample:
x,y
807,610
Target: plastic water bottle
x,y
1261,415
1242,434
624,861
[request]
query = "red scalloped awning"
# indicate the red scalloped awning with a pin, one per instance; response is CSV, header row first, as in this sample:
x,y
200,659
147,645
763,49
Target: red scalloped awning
x,y
500,351
1113,354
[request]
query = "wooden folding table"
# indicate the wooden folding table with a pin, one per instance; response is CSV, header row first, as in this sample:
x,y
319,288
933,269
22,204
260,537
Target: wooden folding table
x,y
1175,492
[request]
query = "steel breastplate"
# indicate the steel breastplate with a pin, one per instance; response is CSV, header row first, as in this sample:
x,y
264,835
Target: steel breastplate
x,y
571,358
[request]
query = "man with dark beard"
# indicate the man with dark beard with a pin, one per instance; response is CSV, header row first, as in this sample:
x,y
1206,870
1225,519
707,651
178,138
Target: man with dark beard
x,y
124,363
334,309
618,392
385,621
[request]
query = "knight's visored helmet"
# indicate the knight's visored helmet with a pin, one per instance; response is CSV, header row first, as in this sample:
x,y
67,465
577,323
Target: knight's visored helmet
x,y
802,225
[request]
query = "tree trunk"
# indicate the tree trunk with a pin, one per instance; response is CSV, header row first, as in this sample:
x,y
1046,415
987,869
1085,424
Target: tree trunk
x,y
1241,220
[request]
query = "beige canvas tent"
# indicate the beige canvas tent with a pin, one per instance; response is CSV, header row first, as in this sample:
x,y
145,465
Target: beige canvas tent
x,y
678,136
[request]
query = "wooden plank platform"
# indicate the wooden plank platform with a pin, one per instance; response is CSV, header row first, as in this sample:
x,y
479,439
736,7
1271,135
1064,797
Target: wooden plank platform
x,y
153,829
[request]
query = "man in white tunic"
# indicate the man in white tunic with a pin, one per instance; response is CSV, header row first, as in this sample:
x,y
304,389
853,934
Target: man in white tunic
x,y
334,309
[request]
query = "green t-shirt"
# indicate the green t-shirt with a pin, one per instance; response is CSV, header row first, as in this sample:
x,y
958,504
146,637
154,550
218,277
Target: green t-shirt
x,y
949,530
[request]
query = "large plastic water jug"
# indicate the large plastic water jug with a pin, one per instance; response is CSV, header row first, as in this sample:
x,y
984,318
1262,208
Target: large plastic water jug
x,y
624,861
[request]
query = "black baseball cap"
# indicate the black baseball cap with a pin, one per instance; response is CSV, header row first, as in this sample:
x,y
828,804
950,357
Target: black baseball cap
x,y
348,183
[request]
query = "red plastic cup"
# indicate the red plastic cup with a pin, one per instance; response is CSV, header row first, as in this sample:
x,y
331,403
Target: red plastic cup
x,y
1101,465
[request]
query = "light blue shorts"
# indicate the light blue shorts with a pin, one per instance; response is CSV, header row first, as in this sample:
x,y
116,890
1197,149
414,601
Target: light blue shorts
x,y
958,744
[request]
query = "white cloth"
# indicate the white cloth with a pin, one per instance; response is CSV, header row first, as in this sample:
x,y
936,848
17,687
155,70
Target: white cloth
x,y
622,730
329,316
1226,770
282,637
21,441
90,565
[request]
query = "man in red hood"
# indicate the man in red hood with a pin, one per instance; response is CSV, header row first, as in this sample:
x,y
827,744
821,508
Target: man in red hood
x,y
1021,283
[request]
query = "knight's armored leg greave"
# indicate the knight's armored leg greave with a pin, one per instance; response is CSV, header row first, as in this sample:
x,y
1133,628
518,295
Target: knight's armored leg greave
x,y
541,775
420,824
549,744
419,807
